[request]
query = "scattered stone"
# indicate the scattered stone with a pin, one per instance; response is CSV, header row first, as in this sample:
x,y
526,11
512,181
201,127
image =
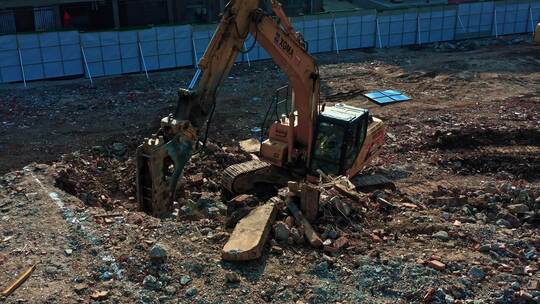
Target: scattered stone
x,y
80,288
518,208
297,236
436,265
232,277
281,231
533,285
276,250
170,290
158,252
151,282
99,295
503,223
477,273
519,270
184,280
191,292
119,149
441,235
106,276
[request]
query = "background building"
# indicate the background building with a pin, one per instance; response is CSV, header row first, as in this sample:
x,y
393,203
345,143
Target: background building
x,y
45,15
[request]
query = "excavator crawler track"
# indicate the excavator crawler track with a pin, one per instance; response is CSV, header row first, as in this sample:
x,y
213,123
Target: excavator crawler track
x,y
246,177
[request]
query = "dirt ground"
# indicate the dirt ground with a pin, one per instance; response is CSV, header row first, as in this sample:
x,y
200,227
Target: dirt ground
x,y
464,155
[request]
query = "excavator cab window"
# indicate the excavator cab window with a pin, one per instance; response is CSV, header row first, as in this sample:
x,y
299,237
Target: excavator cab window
x,y
340,134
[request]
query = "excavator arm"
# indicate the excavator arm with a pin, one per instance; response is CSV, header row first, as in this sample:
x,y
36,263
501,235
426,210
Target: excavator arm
x,y
161,158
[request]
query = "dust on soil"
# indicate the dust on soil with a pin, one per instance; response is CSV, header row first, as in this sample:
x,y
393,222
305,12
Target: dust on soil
x,y
464,155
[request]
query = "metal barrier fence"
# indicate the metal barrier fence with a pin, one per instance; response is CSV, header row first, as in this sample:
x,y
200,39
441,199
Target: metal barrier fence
x,y
25,57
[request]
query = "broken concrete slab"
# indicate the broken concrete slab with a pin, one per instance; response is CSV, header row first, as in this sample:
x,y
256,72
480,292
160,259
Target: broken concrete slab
x,y
367,183
251,145
249,235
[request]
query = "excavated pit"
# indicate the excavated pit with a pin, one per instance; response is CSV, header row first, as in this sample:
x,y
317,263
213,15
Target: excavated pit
x,y
495,151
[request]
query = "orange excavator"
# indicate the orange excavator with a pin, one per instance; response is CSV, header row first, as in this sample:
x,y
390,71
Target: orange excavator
x,y
309,139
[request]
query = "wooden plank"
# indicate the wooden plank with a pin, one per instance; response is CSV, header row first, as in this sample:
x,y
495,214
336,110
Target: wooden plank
x,y
309,201
249,236
312,236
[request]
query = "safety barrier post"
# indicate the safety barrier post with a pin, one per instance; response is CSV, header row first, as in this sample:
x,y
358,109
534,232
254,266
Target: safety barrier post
x,y
418,31
378,31
22,67
533,28
461,24
194,79
86,65
247,54
194,51
335,34
495,22
142,59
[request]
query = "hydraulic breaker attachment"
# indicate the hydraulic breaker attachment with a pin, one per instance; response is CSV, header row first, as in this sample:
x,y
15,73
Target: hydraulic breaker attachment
x,y
160,162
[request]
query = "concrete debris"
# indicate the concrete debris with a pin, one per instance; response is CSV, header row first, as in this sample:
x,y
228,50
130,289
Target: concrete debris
x,y
249,235
281,231
251,145
158,252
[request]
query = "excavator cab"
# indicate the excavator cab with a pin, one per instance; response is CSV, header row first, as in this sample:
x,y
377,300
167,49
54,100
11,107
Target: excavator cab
x,y
340,134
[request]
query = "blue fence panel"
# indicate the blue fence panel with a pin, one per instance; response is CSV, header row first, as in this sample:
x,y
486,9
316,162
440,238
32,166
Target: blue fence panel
x,y
383,30
254,52
368,30
166,47
449,24
534,16
110,50
129,51
9,59
183,46
410,27
149,48
201,38
325,34
475,19
354,33
311,34
92,49
511,17
31,56
70,47
51,54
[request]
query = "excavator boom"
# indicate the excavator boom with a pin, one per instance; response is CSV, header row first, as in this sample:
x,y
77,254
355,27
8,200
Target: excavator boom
x,y
161,158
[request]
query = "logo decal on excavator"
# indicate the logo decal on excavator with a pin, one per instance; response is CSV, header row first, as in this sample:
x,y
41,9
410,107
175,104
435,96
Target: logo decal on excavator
x,y
283,44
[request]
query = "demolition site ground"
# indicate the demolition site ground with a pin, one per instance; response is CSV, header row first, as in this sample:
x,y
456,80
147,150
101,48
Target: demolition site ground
x,y
461,225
